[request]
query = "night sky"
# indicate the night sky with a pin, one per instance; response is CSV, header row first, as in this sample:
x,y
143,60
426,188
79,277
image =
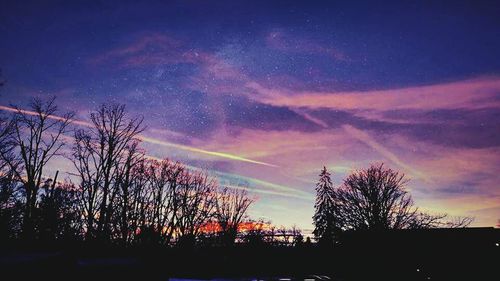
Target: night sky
x,y
264,94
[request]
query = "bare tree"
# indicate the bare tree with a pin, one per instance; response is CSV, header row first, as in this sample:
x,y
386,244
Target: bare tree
x,y
36,136
271,234
197,197
99,154
289,236
126,199
170,201
285,235
11,205
9,160
423,221
162,203
376,199
5,147
259,232
231,208
134,204
298,238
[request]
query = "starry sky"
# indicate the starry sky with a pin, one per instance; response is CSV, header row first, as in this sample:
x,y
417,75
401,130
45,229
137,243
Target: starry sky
x,y
262,94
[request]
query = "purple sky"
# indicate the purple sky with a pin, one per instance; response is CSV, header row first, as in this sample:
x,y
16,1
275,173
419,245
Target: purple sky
x,y
264,94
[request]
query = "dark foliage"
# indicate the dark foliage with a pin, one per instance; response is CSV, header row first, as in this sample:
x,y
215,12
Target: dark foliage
x,y
324,216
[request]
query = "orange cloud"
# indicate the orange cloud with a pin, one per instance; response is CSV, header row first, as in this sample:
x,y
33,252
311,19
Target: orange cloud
x,y
246,226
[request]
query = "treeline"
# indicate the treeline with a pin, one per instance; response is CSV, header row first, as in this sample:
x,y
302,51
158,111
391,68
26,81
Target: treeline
x,y
372,200
118,194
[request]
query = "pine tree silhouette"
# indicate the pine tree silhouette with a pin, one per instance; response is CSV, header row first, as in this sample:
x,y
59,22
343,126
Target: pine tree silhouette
x,y
323,217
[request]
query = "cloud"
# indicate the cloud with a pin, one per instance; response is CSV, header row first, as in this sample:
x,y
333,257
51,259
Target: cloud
x,y
245,113
229,110
461,171
468,94
156,49
469,128
237,181
283,41
311,118
150,49
158,142
203,151
371,142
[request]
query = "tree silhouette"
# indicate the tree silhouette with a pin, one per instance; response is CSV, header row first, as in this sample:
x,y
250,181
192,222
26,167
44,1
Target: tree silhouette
x,y
323,218
59,217
35,138
231,208
256,235
298,238
99,156
123,197
197,195
164,178
130,186
376,199
10,197
11,207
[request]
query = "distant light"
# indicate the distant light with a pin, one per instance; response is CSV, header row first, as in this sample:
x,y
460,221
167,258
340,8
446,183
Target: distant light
x,y
285,279
497,244
428,277
418,269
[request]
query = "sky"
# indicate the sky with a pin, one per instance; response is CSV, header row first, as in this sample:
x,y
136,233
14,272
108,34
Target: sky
x,y
263,94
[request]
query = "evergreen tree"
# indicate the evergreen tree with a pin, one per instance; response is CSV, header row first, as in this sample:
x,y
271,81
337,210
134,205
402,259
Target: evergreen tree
x,y
324,209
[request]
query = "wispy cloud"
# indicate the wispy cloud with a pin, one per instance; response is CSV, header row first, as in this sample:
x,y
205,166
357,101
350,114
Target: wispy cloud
x,y
471,94
286,42
157,141
150,49
371,142
443,135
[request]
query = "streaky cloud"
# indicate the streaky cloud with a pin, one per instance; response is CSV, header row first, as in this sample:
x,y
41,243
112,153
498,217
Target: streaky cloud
x,y
370,141
476,93
237,181
155,141
203,151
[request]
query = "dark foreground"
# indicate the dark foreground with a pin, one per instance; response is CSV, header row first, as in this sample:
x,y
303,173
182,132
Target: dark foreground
x,y
458,254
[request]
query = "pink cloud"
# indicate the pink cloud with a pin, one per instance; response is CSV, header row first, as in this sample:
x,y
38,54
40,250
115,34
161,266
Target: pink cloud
x,y
469,94
150,49
382,150
433,169
300,155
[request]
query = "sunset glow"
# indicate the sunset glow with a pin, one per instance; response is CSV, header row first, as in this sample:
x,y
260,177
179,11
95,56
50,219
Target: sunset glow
x,y
263,96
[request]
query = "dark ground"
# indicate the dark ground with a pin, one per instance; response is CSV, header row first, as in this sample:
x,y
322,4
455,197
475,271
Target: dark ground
x,y
441,254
